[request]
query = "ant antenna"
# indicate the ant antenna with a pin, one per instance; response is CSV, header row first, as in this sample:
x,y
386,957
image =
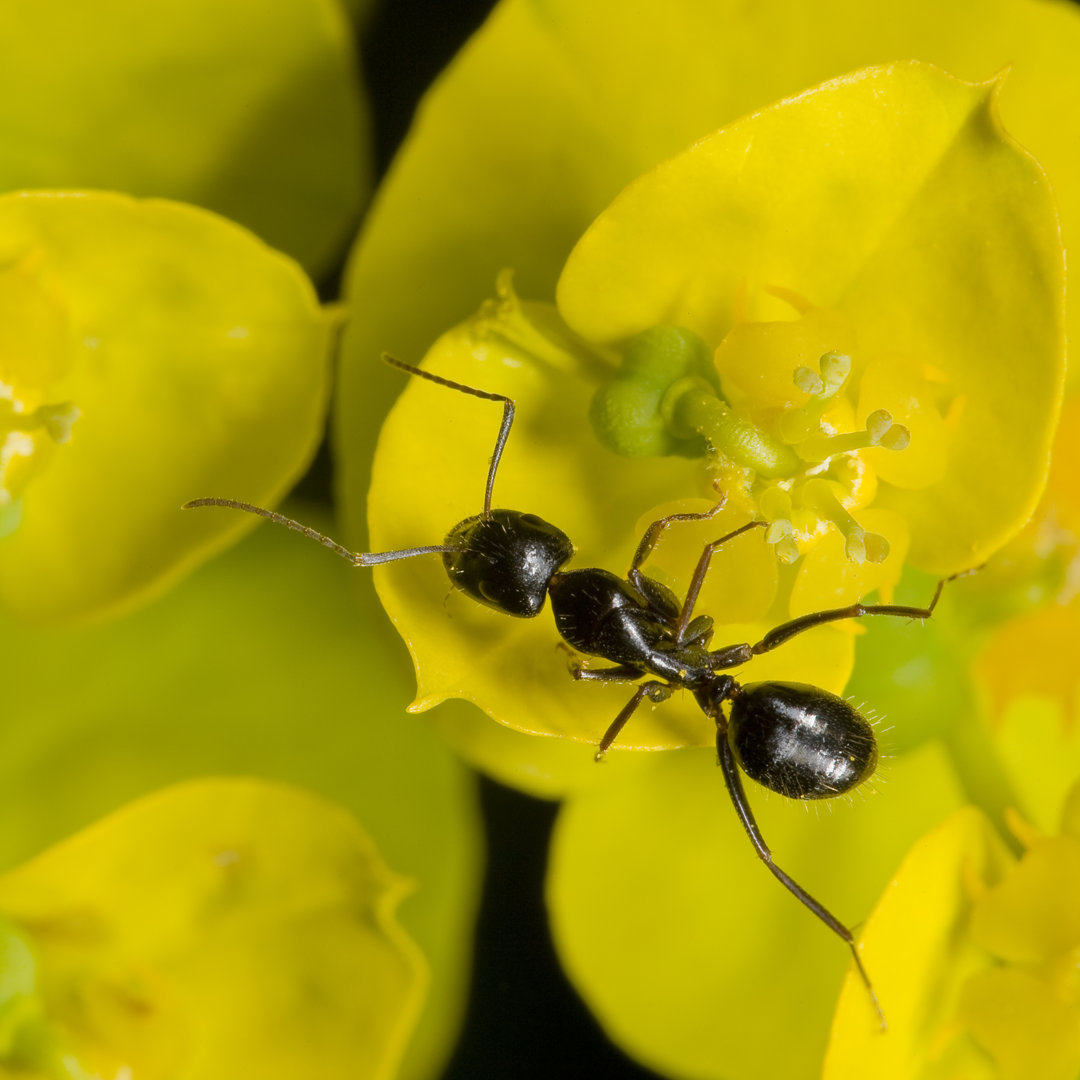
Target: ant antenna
x,y
362,558
504,427
357,558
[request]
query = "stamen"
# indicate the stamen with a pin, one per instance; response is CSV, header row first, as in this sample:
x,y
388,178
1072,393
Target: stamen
x,y
880,431
835,368
775,504
809,381
822,385
859,545
883,432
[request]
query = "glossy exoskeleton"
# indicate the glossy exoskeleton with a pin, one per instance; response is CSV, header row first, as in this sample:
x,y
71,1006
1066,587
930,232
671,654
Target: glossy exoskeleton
x,y
795,739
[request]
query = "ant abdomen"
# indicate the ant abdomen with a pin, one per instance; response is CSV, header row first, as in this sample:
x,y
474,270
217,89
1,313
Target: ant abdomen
x,y
800,741
505,559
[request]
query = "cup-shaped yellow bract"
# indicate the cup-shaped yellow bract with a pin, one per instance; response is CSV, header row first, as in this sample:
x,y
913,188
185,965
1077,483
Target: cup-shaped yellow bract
x,y
430,472
216,929
892,200
686,949
251,110
151,353
553,108
868,193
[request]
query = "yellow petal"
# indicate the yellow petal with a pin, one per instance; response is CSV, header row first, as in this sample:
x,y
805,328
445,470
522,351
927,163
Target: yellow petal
x,y
917,949
218,929
251,110
196,358
869,196
687,950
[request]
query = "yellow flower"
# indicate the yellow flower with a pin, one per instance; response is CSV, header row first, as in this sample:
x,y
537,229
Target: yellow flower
x,y
914,333
759,241
130,371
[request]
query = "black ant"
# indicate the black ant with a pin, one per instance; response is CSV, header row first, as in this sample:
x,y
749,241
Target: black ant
x,y
795,739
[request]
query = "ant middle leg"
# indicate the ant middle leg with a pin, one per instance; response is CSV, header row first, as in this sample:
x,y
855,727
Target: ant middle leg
x,y
618,673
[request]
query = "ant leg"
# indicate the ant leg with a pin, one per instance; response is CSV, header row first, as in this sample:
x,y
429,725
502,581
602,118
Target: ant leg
x,y
655,691
652,538
785,631
504,427
737,792
658,528
701,570
622,673
616,673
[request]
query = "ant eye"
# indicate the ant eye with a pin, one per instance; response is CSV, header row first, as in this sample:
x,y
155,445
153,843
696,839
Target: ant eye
x,y
800,741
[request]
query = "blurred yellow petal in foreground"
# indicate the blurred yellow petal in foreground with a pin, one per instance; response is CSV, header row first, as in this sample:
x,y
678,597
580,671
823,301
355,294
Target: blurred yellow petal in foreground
x,y
216,929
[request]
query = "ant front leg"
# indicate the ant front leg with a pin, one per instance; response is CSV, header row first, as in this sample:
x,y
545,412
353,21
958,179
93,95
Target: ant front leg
x,y
700,572
786,631
652,538
658,528
653,690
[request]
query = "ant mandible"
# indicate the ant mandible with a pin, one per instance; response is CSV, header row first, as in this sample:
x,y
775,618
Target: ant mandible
x,y
795,739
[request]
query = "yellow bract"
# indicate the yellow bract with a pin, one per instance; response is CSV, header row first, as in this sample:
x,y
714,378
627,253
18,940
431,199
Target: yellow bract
x,y
155,342
218,929
893,199
822,194
246,108
974,955
429,475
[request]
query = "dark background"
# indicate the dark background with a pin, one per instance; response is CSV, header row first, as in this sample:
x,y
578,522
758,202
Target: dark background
x,y
524,1019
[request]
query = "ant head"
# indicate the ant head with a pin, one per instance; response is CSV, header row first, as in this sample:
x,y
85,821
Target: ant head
x,y
800,741
506,559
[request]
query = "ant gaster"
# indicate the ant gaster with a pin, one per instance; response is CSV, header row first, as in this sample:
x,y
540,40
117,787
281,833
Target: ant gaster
x,y
795,739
